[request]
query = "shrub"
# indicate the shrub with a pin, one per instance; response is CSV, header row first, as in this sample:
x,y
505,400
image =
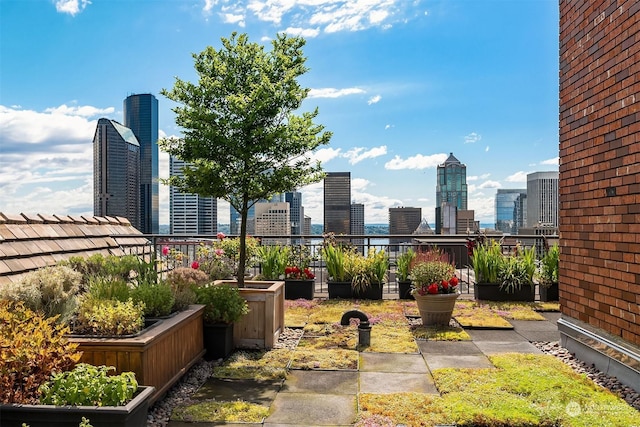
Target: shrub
x,y
109,317
109,287
223,303
50,290
549,266
158,299
182,280
403,263
273,261
88,385
31,348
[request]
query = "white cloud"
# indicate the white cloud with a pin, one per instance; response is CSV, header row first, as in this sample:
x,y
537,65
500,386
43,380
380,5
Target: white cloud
x,y
358,154
325,154
475,177
303,32
72,7
388,127
374,99
330,92
83,111
553,161
230,18
490,184
416,162
208,5
486,149
472,138
519,176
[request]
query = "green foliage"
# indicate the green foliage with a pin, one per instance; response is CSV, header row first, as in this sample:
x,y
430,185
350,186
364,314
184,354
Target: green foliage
x,y
50,290
223,303
335,258
242,140
518,270
31,348
403,263
487,261
549,266
299,256
109,317
108,287
182,280
365,271
426,273
158,299
123,267
88,385
274,259
216,412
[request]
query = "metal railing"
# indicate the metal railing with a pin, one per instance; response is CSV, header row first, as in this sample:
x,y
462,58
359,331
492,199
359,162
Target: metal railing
x,y
455,246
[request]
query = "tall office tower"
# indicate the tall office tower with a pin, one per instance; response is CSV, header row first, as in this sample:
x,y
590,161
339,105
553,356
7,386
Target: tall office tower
x,y
272,219
306,229
542,198
451,186
505,208
190,213
357,224
337,203
520,212
141,116
403,221
116,172
294,198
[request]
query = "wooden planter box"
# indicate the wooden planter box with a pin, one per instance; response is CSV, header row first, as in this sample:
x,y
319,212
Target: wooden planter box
x,y
264,323
159,356
133,414
492,292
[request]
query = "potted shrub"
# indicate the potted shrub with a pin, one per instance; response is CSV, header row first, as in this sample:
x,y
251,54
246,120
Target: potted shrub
x,y
368,273
299,280
548,274
223,305
338,263
403,263
273,260
434,287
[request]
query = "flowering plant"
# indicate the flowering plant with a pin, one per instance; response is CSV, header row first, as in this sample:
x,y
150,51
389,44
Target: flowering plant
x,y
432,273
297,273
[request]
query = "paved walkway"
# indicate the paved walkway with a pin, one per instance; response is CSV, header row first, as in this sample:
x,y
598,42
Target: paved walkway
x,y
329,398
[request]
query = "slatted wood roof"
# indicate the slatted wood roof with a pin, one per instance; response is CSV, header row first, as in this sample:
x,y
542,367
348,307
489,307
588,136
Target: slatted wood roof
x,y
31,241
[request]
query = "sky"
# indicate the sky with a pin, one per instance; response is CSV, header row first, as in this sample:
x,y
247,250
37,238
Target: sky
x,y
400,83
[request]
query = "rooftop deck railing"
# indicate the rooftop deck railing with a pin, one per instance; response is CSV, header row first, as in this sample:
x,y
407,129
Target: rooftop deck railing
x,y
453,245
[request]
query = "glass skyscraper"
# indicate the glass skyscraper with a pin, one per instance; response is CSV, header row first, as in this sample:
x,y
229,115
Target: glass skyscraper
x,y
116,172
507,209
451,186
141,116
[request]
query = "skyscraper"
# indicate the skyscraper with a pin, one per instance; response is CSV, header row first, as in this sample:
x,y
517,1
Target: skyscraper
x,y
506,209
116,172
542,198
357,224
296,211
190,213
451,184
141,116
403,220
272,219
337,202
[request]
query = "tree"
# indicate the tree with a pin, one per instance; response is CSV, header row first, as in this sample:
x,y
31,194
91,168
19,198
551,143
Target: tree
x,y
241,138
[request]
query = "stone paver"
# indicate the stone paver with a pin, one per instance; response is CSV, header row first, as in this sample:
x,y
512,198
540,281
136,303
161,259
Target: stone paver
x,y
304,409
392,362
496,347
333,382
448,348
259,392
396,382
479,335
469,361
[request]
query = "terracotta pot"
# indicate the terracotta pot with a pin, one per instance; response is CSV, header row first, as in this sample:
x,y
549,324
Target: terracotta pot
x,y
436,309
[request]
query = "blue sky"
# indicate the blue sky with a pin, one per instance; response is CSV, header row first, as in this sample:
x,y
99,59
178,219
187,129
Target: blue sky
x,y
400,83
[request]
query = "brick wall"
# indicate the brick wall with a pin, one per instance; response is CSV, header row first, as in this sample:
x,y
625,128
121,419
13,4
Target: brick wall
x,y
600,164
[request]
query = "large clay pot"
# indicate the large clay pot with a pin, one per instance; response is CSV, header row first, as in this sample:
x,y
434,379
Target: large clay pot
x,y
436,309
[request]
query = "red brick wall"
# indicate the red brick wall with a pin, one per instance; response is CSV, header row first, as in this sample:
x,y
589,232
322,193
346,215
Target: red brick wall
x,y
600,164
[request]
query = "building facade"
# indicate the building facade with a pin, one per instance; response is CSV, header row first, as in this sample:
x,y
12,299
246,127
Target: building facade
x,y
116,172
506,209
403,220
296,212
599,279
357,224
542,199
190,213
141,116
337,203
451,186
273,219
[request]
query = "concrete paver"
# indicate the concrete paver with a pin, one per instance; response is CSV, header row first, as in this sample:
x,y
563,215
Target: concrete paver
x,y
333,382
392,362
304,409
496,347
396,382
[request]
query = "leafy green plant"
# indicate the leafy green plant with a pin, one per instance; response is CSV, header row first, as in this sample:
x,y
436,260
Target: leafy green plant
x,y
487,261
518,270
366,271
88,385
108,287
549,266
273,260
335,260
182,281
158,299
50,290
403,263
31,348
223,303
109,317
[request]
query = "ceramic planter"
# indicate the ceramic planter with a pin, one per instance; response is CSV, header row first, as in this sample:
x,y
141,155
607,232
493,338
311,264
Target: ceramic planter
x,y
492,292
133,414
436,309
339,290
218,340
296,289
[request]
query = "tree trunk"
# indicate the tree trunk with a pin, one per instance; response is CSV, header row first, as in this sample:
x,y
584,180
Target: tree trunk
x,y
242,257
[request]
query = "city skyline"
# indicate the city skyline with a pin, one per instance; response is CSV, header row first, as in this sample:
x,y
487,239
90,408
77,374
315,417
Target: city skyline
x,y
400,84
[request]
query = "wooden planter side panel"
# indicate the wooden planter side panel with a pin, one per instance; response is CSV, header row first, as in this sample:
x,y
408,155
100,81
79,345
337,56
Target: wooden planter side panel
x,y
158,357
262,326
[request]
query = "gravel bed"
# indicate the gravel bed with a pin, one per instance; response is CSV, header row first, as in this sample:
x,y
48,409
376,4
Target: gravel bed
x,y
161,411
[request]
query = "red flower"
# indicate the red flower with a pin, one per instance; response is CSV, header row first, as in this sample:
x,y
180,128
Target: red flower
x,y
165,250
433,288
195,265
445,285
454,281
309,274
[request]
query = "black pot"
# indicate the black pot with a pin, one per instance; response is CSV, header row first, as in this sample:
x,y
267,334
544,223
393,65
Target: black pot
x,y
549,293
218,340
373,291
492,292
404,289
339,290
296,289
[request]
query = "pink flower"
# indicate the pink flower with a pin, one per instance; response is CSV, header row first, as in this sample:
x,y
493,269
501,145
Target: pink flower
x,y
220,236
219,252
165,250
195,265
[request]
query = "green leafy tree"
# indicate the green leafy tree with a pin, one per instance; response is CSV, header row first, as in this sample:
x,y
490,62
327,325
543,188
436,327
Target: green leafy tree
x,y
241,138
